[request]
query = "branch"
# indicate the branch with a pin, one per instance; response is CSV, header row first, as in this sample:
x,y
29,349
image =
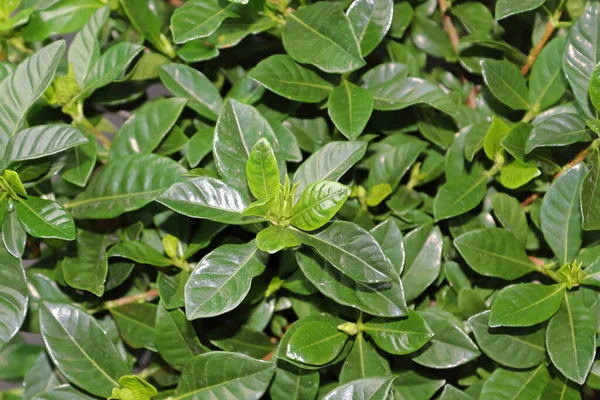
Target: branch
x,y
550,27
449,26
149,295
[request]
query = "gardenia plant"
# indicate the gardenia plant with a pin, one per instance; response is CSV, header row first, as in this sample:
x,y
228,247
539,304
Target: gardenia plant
x,y
299,199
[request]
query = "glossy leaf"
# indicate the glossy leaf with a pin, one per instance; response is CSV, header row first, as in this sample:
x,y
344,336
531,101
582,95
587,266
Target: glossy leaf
x,y
423,260
199,18
139,252
45,219
370,22
136,324
262,171
459,196
506,83
13,297
14,235
176,340
559,130
399,337
350,108
506,8
318,203
547,83
506,384
376,388
290,381
87,269
316,343
590,195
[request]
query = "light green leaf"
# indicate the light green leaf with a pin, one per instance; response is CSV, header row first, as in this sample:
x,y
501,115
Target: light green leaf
x,y
276,238
523,348
561,214
200,145
316,343
195,51
329,163
352,250
526,304
449,347
176,339
383,74
199,18
191,84
423,259
350,108
207,198
370,22
224,375
494,252
222,279
318,203
146,128
125,185
496,132
382,300
401,336
13,234
518,173
13,296
38,71
320,34
506,83
45,219
571,339
280,74
262,171
506,384
80,349
458,196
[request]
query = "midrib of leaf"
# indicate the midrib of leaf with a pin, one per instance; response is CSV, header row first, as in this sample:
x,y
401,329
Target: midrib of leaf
x,y
489,253
320,341
466,193
186,395
368,328
575,195
91,360
345,82
205,205
572,328
314,85
240,131
112,197
561,287
516,396
194,96
326,38
243,264
55,227
183,339
510,88
543,92
316,203
135,321
297,390
206,21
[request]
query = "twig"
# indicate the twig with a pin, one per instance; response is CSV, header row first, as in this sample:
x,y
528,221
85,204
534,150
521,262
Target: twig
x,y
550,27
149,295
449,26
176,3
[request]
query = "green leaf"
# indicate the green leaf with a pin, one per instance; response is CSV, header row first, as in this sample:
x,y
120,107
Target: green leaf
x,y
506,83
41,141
370,22
13,234
506,384
452,393
38,71
84,51
497,131
13,296
403,16
207,198
401,93
147,127
547,83
423,260
238,129
494,252
363,362
571,339
293,382
428,36
199,18
80,349
522,348
311,134
322,35
582,55
125,185
262,170
63,392
389,236
383,74
191,84
382,300
374,388
195,51
176,340
506,8
132,385
561,389
318,203
316,343
403,336
81,161
287,141
526,304
218,374
45,219
458,196
276,238
109,67
145,20
244,340
475,16
88,267
558,130
516,140
139,252
222,279
200,145
449,347
350,108
590,195
352,250
280,74
40,378
390,164
518,173
329,163
511,215
136,324
561,214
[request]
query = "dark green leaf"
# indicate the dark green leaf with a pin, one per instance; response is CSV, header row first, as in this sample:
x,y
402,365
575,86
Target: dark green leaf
x,y
506,83
13,296
350,108
400,337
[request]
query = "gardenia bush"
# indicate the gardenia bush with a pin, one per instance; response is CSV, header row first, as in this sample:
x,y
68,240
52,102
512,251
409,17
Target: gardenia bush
x,y
248,199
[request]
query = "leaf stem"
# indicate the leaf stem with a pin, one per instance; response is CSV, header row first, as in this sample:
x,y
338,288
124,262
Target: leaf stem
x,y
449,26
146,296
540,266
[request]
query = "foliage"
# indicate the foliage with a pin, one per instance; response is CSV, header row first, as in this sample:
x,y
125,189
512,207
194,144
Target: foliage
x,y
303,199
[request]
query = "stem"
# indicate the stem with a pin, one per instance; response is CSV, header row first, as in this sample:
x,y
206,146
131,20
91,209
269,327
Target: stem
x,y
449,26
149,295
540,266
550,28
99,135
